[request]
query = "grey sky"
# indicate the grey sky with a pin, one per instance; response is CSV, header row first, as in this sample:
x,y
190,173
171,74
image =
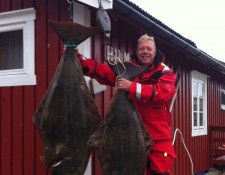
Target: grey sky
x,y
202,21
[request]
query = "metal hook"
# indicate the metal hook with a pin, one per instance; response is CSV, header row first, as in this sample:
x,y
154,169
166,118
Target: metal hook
x,y
100,3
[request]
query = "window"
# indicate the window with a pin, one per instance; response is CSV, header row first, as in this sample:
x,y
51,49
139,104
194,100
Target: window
x,y
222,99
199,104
17,48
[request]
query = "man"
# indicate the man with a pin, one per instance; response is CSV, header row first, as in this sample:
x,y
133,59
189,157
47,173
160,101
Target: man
x,y
151,92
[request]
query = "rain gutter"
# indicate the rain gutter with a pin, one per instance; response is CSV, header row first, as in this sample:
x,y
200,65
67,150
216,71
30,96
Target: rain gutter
x,y
133,14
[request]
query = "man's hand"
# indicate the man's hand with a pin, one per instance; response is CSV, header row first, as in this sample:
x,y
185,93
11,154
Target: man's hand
x,y
123,84
75,50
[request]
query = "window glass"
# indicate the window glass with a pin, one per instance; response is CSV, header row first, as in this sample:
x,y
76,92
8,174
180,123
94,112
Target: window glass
x,y
201,119
11,50
195,119
201,104
195,104
194,88
200,89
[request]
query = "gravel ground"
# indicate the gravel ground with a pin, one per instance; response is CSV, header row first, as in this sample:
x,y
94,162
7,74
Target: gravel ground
x,y
214,171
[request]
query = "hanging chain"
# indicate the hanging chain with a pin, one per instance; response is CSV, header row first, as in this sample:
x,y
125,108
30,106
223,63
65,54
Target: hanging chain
x,y
71,20
70,10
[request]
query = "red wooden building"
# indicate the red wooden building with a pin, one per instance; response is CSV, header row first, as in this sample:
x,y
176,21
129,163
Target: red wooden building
x,y
30,52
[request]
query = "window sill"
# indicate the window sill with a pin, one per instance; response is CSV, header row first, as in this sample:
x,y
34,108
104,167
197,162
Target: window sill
x,y
17,80
199,133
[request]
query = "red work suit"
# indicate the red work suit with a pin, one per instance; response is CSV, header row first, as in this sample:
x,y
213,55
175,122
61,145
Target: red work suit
x,y
151,92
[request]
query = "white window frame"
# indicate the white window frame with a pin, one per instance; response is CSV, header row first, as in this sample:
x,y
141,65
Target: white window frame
x,y
199,78
222,94
13,21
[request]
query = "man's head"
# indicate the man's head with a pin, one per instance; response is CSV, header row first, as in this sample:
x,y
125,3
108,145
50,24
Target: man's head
x,y
146,49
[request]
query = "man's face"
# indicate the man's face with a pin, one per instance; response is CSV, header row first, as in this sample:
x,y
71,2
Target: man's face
x,y
146,52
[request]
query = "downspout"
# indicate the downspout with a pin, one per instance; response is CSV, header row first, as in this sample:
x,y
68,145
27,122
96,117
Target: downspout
x,y
132,13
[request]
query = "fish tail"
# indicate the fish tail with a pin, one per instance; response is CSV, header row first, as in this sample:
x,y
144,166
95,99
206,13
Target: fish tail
x,y
72,34
127,70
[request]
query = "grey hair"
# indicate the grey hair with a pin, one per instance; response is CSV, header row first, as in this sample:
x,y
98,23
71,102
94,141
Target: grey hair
x,y
146,37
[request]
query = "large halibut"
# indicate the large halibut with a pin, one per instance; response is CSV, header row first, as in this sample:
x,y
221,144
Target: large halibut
x,y
122,143
67,115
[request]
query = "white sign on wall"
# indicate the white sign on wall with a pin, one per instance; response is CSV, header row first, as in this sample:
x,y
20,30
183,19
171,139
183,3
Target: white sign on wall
x,y
106,4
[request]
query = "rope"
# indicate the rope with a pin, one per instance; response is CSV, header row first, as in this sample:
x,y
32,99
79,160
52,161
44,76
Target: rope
x,y
70,45
174,138
113,61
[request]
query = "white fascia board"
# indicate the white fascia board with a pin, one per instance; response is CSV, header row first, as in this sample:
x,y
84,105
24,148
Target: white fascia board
x,y
17,16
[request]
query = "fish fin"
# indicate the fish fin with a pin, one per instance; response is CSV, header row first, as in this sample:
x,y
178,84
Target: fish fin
x,y
146,136
127,70
38,114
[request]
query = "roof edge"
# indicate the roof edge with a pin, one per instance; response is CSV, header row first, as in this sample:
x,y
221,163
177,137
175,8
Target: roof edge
x,y
135,15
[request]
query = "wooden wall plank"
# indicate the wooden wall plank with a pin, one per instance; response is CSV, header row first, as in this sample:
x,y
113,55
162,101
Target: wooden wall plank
x,y
41,71
17,118
28,3
17,130
5,119
28,135
6,131
53,41
63,13
4,6
16,5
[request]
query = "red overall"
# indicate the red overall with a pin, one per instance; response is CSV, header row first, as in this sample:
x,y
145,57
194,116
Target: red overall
x,y
151,92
